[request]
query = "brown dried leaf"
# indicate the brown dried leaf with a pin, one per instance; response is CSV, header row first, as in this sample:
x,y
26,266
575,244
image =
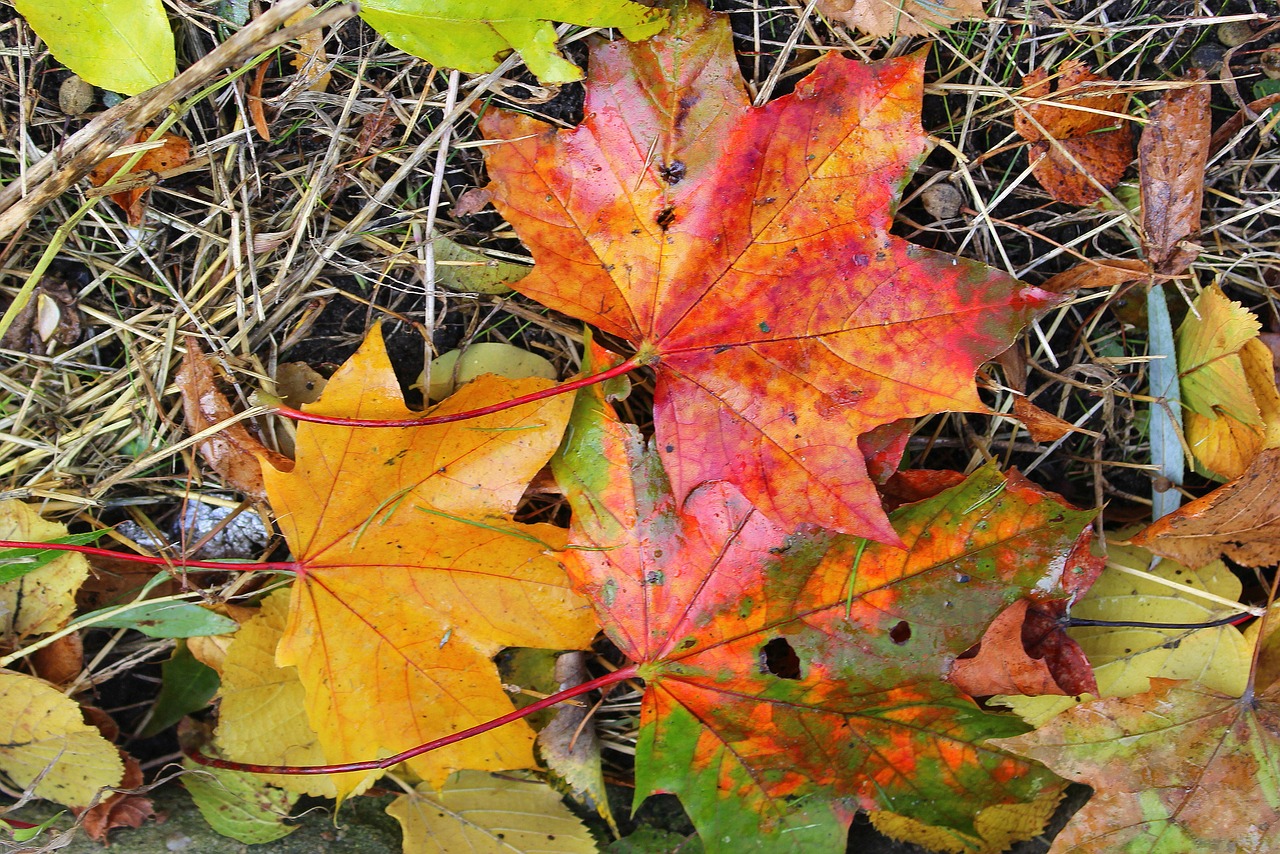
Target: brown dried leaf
x,y
310,60
1043,426
1088,130
1172,156
1095,274
569,743
999,664
1240,520
121,809
173,151
233,452
901,17
61,661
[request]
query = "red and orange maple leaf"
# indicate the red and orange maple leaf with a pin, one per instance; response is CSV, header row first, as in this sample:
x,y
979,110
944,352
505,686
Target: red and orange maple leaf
x,y
745,253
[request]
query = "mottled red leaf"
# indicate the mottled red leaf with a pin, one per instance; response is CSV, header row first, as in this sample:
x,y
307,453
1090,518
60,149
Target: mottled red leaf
x,y
793,677
745,253
1078,135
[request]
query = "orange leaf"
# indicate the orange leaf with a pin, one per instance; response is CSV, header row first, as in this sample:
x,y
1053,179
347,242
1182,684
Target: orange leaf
x,y
233,452
1074,125
120,809
1240,520
1025,651
412,575
746,254
171,152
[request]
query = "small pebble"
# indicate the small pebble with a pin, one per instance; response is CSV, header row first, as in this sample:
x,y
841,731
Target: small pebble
x,y
942,200
1234,33
1271,62
75,96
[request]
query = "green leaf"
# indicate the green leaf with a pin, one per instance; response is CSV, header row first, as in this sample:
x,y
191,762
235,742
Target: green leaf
x,y
239,805
474,36
121,45
15,563
187,685
165,620
461,269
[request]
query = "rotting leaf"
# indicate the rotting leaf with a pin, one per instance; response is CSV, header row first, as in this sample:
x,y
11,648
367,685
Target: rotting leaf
x,y
119,809
427,512
233,452
1074,123
746,253
168,152
1178,768
895,18
790,678
996,828
1172,155
1240,520
570,746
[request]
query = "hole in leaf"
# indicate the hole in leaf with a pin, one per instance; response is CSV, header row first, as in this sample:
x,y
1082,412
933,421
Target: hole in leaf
x,y
900,633
666,217
780,659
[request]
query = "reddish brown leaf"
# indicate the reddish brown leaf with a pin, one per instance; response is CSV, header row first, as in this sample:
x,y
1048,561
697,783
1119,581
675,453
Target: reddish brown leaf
x,y
1172,156
908,487
745,253
61,661
120,809
1043,426
1240,520
172,152
1025,651
233,452
1095,274
1074,123
901,17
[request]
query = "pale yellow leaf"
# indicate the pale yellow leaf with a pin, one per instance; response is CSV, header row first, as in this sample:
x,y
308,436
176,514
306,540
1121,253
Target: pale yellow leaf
x,y
42,732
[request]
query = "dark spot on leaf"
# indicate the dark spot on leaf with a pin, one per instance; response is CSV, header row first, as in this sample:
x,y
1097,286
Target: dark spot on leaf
x,y
764,326
900,633
722,349
1173,644
961,578
671,449
780,659
665,217
672,173
656,577
861,260
683,106
688,643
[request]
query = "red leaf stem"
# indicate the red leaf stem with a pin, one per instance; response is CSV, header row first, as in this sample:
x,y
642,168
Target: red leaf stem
x,y
231,566
620,675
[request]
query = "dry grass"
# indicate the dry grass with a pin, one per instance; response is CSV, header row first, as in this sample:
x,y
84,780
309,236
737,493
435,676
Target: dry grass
x,y
290,249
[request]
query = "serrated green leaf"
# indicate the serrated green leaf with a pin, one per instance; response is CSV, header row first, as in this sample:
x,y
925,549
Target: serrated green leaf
x,y
239,805
474,36
120,45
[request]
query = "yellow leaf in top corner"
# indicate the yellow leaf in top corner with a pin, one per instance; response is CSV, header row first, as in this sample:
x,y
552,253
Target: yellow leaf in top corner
x,y
475,811
42,732
43,600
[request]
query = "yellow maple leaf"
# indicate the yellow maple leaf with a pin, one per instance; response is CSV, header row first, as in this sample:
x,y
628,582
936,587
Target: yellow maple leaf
x,y
412,574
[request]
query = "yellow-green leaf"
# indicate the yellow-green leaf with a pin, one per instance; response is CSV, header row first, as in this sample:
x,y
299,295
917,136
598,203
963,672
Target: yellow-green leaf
x,y
43,600
466,271
459,367
1125,659
1209,343
475,811
263,716
42,732
474,36
239,805
122,45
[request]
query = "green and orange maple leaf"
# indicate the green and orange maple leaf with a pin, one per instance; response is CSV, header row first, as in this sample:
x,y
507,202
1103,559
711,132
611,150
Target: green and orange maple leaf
x,y
412,574
793,677
745,253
